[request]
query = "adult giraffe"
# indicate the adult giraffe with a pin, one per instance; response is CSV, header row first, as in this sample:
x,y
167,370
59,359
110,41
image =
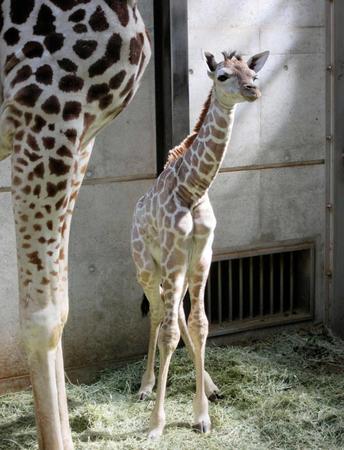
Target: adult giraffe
x,y
68,67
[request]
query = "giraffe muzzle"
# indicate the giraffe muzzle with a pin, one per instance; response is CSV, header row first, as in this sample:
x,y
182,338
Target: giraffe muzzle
x,y
250,92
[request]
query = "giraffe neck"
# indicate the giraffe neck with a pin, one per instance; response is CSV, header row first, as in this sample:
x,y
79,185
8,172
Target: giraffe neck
x,y
201,162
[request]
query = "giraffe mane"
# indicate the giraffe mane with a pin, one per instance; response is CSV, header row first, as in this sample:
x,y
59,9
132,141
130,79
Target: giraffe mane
x,y
179,150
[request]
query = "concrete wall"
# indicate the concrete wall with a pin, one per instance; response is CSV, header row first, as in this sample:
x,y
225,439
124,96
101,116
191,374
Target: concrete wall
x,y
105,323
277,191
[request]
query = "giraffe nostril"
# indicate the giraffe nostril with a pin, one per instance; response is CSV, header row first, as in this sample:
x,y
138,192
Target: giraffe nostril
x,y
249,86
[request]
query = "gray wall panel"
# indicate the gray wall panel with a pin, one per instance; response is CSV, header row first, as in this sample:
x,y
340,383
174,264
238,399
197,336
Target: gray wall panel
x,y
285,127
105,318
288,123
11,356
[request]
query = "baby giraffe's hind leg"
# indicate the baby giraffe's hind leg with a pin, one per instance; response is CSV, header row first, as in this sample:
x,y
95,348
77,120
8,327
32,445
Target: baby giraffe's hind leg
x,y
148,275
156,315
211,390
198,328
169,335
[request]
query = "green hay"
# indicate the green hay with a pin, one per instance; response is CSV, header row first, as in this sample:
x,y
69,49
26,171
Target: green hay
x,y
286,392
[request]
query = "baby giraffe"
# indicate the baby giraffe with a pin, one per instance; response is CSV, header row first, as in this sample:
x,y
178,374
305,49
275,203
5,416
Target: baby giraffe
x,y
173,231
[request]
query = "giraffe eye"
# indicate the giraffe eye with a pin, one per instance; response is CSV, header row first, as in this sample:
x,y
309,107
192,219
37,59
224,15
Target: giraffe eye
x,y
223,77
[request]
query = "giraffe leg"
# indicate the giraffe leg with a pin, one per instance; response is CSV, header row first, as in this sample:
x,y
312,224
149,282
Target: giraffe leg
x,y
62,399
84,156
43,198
198,329
156,316
211,390
169,335
148,275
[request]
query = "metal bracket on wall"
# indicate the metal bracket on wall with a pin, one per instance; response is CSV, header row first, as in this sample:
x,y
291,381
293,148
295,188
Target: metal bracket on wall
x,y
171,75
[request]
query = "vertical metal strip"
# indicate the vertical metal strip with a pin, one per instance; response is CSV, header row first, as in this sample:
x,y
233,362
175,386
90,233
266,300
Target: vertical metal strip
x,y
261,286
291,286
335,270
219,291
180,70
171,75
251,287
230,289
281,282
331,54
271,263
241,290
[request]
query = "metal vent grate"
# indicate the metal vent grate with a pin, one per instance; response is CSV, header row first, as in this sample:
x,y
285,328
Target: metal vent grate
x,y
266,287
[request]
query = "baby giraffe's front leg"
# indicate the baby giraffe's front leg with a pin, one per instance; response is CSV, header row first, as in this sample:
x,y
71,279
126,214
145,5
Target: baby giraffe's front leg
x,y
168,339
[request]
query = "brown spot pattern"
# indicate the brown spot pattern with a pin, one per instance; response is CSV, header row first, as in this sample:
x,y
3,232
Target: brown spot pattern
x,y
11,36
58,167
51,105
22,74
77,16
71,135
112,55
39,123
28,95
136,44
121,9
54,42
71,83
39,170
64,151
98,20
44,74
48,142
117,79
20,11
45,21
84,49
71,110
33,49
67,65
53,189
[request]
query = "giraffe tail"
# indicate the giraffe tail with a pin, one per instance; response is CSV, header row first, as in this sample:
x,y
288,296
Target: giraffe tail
x,y
144,306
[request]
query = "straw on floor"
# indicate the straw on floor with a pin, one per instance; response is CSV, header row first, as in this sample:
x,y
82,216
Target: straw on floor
x,y
286,392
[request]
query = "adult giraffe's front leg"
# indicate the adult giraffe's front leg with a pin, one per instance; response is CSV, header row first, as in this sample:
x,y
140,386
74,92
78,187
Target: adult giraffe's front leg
x,y
43,195
83,159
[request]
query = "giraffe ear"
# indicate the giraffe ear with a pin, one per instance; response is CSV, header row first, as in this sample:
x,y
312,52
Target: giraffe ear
x,y
211,63
257,61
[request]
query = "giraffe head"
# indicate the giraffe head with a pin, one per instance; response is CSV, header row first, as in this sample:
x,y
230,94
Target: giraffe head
x,y
234,78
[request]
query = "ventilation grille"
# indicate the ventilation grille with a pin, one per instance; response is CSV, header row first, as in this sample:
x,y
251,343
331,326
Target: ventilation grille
x,y
259,290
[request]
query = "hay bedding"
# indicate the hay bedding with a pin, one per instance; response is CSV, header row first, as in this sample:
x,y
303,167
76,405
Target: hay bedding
x,y
286,392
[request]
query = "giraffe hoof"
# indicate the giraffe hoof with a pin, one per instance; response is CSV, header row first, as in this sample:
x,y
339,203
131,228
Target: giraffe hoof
x,y
155,433
143,395
202,427
215,396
